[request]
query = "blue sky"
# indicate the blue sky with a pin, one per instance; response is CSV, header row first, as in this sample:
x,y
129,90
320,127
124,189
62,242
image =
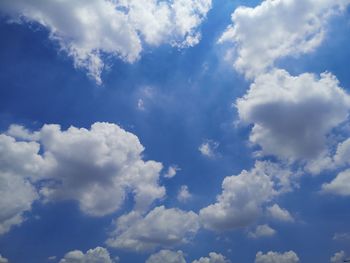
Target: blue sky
x,y
255,131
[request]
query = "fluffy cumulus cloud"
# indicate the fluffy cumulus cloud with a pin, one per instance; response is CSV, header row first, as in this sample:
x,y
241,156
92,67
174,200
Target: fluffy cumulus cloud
x,y
167,256
243,197
278,213
19,163
160,227
292,29
97,255
262,231
292,115
340,185
87,30
275,257
213,258
3,260
96,167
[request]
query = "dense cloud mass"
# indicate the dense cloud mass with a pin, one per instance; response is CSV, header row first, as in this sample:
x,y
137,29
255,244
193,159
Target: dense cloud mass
x,y
243,197
96,167
292,115
167,256
87,30
160,227
275,257
292,28
97,255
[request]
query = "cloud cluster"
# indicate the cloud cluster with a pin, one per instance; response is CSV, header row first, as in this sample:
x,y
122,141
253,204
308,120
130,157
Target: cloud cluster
x,y
89,30
292,115
276,257
293,29
160,227
97,255
213,258
96,167
168,256
243,197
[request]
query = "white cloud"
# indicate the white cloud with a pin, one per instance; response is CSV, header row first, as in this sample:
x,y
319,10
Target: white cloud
x,y
19,162
3,260
160,227
87,30
213,258
208,148
342,236
275,257
292,115
17,196
262,231
184,195
97,255
338,257
167,256
97,167
340,185
172,170
243,197
293,29
276,212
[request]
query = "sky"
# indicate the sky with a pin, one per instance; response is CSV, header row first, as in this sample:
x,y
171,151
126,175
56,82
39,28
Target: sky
x,y
174,131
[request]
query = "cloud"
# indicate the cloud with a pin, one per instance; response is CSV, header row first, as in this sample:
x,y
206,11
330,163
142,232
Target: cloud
x,y
17,196
161,227
3,260
208,148
275,257
172,170
184,195
292,29
167,256
342,236
19,163
243,197
96,167
340,185
262,231
292,115
278,213
97,255
213,258
89,30
338,257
